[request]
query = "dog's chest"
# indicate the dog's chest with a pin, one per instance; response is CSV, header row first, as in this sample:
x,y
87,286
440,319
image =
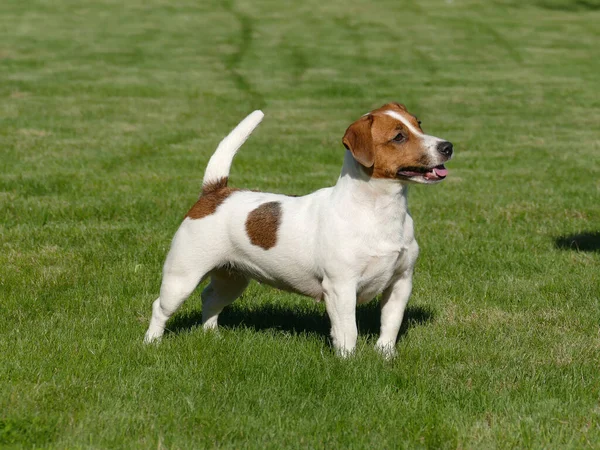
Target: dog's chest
x,y
378,272
385,256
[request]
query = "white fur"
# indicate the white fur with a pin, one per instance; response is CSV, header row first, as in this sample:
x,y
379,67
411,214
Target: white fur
x,y
406,123
343,244
219,164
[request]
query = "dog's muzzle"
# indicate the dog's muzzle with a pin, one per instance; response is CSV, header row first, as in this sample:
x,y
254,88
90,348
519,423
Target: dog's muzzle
x,y
445,148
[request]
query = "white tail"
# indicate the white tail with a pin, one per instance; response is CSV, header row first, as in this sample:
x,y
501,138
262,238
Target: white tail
x,y
220,162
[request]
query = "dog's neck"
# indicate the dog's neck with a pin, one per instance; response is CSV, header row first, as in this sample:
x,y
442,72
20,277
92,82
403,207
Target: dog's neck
x,y
379,194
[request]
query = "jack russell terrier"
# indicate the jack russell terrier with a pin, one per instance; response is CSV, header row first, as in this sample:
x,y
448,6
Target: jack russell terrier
x,y
343,244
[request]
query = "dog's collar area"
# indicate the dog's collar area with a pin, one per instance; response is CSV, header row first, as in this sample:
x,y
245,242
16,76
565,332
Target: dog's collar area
x,y
437,173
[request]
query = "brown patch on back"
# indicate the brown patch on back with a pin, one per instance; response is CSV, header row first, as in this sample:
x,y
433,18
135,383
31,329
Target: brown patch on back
x,y
262,224
221,183
377,132
213,194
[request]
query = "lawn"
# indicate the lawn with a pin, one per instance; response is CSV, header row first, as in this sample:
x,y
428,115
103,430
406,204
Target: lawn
x,y
109,113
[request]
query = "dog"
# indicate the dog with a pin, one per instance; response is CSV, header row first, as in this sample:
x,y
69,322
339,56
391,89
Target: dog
x,y
344,244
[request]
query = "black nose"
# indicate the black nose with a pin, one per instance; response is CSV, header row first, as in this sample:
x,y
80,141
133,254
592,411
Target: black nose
x,y
445,148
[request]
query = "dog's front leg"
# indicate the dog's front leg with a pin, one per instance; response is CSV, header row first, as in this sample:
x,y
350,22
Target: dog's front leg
x,y
393,304
340,301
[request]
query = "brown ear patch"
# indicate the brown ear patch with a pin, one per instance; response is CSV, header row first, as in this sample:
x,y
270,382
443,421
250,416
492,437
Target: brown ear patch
x,y
262,224
359,141
213,194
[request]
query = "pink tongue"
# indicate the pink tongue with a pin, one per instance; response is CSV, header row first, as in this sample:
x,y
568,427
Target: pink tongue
x,y
440,171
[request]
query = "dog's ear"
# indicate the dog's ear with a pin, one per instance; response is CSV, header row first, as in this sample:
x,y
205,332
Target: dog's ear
x,y
359,140
399,106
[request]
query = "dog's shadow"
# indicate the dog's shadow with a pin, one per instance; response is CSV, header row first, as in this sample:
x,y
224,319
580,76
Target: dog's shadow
x,y
584,242
293,320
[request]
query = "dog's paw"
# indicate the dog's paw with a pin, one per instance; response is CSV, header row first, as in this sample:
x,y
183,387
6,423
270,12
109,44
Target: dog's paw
x,y
213,331
388,351
344,353
210,325
152,337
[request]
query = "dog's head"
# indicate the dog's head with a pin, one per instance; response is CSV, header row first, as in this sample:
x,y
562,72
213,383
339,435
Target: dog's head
x,y
390,143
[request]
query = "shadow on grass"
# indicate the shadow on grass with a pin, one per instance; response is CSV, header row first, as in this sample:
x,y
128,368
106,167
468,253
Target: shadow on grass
x,y
554,5
570,5
286,319
584,242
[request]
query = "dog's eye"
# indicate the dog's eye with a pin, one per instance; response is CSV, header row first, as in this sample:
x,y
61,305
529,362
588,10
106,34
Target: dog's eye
x,y
399,137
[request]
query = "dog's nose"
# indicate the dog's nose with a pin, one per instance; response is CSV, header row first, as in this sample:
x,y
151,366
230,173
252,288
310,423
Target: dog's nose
x,y
445,148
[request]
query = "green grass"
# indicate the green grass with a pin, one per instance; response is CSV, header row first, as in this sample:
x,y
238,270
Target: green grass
x,y
109,113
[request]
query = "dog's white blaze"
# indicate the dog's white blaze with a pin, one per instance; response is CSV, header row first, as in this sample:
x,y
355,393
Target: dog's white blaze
x,y
399,117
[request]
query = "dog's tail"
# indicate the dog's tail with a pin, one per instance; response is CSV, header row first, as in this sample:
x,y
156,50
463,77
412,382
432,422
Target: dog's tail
x,y
219,164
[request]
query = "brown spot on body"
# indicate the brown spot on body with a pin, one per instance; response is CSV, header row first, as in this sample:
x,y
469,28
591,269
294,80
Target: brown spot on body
x,y
262,224
213,194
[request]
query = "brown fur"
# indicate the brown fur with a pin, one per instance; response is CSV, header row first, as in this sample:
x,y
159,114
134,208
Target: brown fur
x,y
400,109
213,194
221,183
262,224
359,141
373,135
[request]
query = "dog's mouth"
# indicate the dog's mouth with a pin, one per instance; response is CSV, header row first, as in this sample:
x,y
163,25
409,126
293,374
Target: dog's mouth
x,y
423,174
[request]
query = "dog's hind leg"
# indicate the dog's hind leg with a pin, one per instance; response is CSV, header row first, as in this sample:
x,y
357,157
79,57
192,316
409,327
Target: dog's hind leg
x,y
224,288
175,289
184,268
